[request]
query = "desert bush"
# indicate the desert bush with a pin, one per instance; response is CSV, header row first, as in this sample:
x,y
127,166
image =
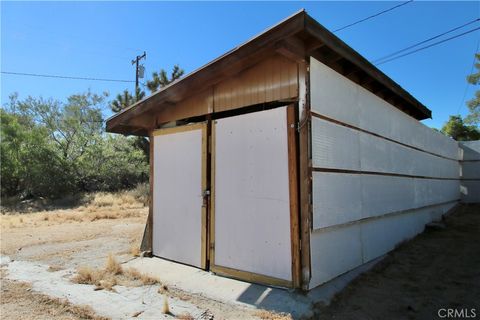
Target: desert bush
x,y
142,192
51,149
102,199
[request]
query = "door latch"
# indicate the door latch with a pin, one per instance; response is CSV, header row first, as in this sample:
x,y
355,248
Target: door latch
x,y
205,196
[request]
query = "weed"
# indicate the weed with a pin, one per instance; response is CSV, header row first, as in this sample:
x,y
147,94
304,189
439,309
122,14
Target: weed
x,y
113,274
135,250
163,289
165,308
54,268
185,316
112,265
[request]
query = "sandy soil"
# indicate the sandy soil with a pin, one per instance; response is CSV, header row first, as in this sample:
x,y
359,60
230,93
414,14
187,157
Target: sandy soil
x,y
67,239
438,269
64,239
20,302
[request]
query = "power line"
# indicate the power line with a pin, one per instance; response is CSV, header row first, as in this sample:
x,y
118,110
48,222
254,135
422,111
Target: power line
x,y
424,41
429,46
64,77
372,16
471,71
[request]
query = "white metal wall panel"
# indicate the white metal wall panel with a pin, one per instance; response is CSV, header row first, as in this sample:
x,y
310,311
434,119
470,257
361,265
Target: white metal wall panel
x,y
430,191
382,235
470,170
338,250
380,155
470,191
252,207
177,196
385,194
376,202
469,153
331,95
339,147
337,199
469,150
337,97
334,145
340,198
333,252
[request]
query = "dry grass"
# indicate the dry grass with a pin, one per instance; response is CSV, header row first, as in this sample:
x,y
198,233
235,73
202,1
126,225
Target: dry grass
x,y
270,315
163,289
185,316
54,268
100,206
113,274
112,266
165,308
89,275
122,198
135,275
135,250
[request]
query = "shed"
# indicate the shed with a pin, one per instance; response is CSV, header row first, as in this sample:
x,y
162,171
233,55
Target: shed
x,y
288,161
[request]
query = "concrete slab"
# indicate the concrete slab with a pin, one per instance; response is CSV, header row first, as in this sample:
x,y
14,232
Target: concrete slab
x,y
236,292
130,302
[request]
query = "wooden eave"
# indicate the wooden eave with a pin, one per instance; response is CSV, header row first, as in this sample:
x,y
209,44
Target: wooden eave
x,y
297,38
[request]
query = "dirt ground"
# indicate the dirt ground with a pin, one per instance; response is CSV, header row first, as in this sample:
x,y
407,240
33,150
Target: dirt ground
x,y
78,237
20,302
66,238
438,269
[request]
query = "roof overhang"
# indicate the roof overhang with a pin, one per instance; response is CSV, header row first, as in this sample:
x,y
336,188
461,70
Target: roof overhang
x,y
296,37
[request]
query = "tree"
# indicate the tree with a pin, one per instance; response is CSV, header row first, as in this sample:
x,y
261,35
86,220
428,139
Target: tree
x,y
458,130
72,126
161,79
30,165
125,100
50,148
112,164
474,104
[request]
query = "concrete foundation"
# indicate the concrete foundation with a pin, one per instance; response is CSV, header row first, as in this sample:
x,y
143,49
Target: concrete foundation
x,y
231,291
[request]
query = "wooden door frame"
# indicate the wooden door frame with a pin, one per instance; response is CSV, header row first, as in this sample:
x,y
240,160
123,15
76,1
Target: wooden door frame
x,y
293,175
184,128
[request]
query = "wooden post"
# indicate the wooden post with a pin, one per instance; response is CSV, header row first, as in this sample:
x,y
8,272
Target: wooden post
x,y
305,173
147,239
293,189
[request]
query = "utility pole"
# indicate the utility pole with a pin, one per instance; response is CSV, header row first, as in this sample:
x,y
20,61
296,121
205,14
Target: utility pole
x,y
135,61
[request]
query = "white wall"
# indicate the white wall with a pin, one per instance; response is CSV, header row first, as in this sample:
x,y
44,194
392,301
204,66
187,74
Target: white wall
x,y
376,184
470,171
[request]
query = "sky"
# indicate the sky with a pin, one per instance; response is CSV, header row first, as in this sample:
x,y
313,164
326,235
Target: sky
x,y
99,40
